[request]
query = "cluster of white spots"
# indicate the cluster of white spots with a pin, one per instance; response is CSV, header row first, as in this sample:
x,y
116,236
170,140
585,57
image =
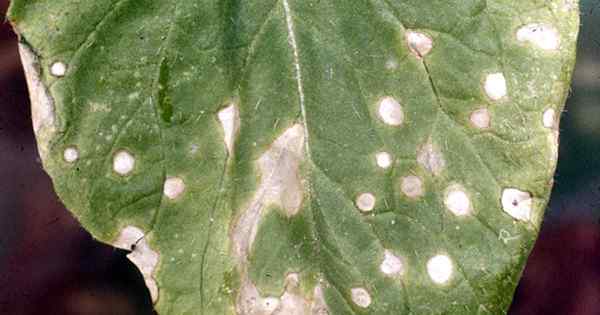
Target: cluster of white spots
x,y
365,202
230,121
419,43
71,154
457,201
412,186
440,269
390,111
543,36
58,69
481,118
430,158
549,118
495,86
291,302
361,297
133,239
384,159
391,265
518,204
123,162
173,187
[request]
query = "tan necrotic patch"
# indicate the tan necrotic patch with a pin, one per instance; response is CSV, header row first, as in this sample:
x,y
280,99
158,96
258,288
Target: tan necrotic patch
x,y
42,104
229,118
142,256
280,185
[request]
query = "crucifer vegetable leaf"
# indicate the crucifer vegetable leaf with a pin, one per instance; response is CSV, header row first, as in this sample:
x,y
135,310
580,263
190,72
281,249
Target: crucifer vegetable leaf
x,y
305,157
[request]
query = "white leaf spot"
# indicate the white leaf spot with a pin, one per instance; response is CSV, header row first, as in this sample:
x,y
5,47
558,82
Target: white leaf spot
x,y
457,201
419,43
481,118
384,159
390,111
430,158
133,239
230,121
173,187
412,186
391,64
543,36
495,86
71,154
123,162
392,264
549,118
365,202
518,204
440,269
58,69
361,297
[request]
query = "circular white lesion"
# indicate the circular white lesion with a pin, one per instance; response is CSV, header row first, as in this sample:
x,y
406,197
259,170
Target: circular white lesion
x,y
549,118
384,159
412,186
390,111
480,118
495,86
365,202
391,265
517,203
123,162
543,36
71,154
173,187
440,269
457,201
420,44
58,69
361,297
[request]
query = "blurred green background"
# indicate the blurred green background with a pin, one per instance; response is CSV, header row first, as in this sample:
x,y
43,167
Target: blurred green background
x,y
50,265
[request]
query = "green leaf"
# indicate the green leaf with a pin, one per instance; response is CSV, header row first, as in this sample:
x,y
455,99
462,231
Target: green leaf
x,y
305,157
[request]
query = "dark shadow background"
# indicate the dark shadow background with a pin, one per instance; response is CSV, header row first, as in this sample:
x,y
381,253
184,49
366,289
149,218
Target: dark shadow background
x,y
50,265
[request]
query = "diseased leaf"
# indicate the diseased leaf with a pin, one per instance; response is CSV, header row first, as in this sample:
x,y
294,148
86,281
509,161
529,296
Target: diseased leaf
x,y
305,157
